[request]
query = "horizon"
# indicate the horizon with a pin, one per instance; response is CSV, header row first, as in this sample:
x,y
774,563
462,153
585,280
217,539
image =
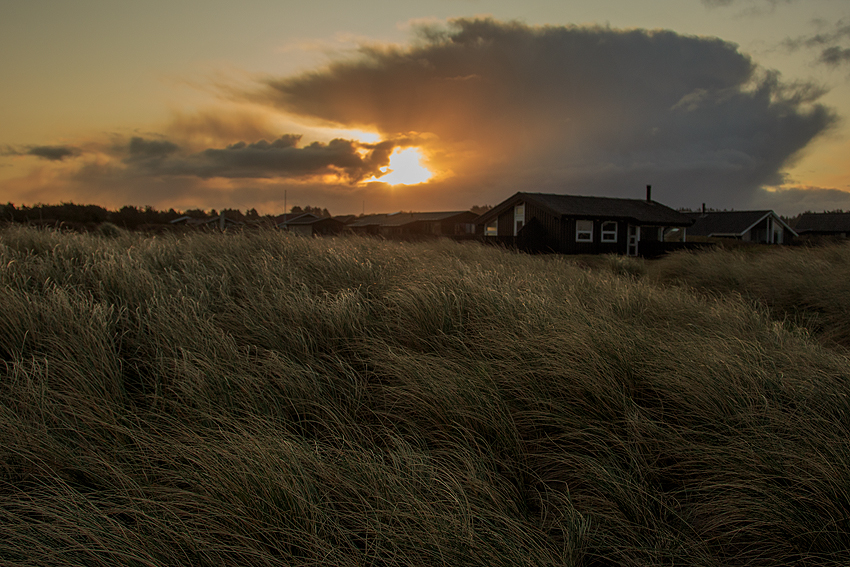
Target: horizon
x,y
739,104
310,209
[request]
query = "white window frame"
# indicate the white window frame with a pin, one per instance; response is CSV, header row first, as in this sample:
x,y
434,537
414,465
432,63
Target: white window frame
x,y
519,218
583,230
609,235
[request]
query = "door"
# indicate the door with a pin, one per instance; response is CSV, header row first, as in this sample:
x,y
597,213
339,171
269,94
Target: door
x,y
634,238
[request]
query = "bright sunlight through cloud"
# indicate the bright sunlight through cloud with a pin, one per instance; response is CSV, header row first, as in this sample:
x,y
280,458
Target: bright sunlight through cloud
x,y
405,168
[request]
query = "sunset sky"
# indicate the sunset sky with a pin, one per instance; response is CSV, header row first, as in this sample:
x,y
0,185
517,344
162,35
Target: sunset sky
x,y
430,105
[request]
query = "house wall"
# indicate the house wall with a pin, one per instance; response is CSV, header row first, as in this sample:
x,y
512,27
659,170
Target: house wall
x,y
557,234
769,231
553,233
301,229
506,223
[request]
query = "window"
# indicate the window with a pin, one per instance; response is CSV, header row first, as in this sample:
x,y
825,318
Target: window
x,y
519,217
584,231
609,231
492,228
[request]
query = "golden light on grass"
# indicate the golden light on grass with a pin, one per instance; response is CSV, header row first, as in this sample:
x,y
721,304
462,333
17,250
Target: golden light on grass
x,y
405,168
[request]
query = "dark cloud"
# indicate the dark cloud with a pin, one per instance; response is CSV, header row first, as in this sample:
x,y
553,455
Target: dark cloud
x,y
52,153
140,149
588,110
835,56
281,158
829,43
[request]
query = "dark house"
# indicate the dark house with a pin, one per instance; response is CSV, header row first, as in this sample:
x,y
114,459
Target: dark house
x,y
455,224
345,219
824,224
308,224
220,222
573,224
749,226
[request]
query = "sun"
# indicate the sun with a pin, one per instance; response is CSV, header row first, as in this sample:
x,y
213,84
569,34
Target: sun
x,y
405,168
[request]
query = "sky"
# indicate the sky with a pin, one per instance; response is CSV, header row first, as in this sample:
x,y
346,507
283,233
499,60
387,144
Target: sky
x,y
432,105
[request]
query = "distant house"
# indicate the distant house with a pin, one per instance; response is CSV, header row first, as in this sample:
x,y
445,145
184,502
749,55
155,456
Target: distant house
x,y
455,224
824,224
220,222
749,226
308,224
345,219
573,224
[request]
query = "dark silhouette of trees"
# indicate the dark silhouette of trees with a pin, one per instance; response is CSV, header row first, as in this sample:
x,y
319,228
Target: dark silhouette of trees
x,y
130,217
318,211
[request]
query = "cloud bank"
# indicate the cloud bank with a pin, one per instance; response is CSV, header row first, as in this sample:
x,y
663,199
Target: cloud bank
x,y
51,153
588,110
282,158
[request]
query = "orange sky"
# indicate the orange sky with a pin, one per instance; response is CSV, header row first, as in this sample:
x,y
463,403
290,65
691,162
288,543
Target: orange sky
x,y
733,103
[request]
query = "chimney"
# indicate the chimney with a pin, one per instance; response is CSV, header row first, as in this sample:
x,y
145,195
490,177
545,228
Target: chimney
x,y
703,208
649,192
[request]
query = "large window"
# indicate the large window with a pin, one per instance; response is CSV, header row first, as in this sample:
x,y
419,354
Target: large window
x,y
609,231
584,231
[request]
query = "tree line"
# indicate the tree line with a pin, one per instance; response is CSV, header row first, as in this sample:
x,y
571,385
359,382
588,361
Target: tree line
x,y
129,217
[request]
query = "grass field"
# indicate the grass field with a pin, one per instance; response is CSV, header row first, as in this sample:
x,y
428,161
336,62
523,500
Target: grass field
x,y
259,399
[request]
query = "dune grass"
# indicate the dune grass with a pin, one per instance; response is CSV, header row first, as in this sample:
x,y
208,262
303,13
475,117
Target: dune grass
x,y
262,399
808,286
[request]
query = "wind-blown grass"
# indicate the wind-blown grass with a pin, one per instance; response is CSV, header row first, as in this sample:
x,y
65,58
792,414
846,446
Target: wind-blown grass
x,y
809,286
271,400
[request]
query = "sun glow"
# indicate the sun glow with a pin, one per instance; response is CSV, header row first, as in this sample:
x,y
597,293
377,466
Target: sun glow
x,y
405,168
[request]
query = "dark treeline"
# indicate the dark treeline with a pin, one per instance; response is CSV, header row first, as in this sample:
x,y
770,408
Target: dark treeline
x,y
129,217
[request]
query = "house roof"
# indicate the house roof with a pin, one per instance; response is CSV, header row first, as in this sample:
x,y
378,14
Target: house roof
x,y
637,210
306,219
401,219
728,223
290,218
823,222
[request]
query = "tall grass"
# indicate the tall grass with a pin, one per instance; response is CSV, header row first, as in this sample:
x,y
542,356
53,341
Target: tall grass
x,y
270,400
809,286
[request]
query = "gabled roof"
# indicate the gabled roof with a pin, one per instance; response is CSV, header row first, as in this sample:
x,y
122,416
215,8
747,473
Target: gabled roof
x,y
401,219
289,218
308,218
580,206
729,223
823,222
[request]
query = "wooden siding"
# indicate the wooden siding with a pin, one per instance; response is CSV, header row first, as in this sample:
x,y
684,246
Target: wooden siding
x,y
551,233
559,235
506,223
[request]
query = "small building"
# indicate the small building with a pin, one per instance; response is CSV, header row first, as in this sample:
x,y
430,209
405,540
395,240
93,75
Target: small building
x,y
824,224
749,226
221,222
308,224
345,219
454,224
574,224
